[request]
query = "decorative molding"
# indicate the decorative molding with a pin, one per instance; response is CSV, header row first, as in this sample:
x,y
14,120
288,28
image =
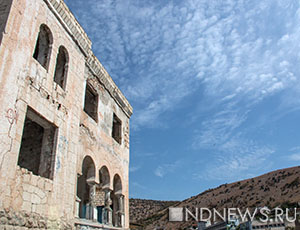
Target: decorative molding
x,y
71,25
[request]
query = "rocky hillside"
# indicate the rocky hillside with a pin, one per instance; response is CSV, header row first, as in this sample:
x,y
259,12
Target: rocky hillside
x,y
141,209
273,189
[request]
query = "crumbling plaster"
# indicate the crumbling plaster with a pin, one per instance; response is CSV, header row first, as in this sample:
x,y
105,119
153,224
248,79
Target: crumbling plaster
x,y
24,82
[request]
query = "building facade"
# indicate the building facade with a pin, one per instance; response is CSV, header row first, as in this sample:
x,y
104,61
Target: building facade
x,y
64,136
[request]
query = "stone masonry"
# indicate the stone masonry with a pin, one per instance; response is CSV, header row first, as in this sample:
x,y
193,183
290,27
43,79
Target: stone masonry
x,y
64,136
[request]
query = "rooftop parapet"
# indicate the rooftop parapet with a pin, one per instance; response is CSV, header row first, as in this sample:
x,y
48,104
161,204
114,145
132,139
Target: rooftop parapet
x,y
71,25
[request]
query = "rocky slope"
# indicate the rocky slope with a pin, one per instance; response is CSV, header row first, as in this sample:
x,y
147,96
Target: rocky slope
x,y
277,188
141,209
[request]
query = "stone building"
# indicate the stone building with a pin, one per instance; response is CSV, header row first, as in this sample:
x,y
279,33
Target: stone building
x,y
64,125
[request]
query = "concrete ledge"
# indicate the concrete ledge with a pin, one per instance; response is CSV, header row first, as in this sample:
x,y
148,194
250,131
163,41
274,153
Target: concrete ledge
x,y
89,223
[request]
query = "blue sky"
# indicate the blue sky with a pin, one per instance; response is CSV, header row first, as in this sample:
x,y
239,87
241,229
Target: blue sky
x,y
214,86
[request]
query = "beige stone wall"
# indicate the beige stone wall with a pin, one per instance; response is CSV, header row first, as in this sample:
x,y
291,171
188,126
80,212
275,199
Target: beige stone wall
x,y
24,82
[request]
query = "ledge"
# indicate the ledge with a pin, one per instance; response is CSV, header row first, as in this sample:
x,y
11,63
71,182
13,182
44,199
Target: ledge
x,y
69,22
73,28
84,222
105,79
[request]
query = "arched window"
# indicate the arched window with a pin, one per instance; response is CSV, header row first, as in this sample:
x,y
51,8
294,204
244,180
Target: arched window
x,y
104,207
61,69
43,46
117,184
104,177
85,189
118,202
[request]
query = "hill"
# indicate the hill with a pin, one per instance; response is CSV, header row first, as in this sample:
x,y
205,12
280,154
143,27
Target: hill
x,y
141,209
277,188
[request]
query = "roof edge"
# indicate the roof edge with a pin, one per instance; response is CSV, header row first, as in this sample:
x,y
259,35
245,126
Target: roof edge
x,y
77,33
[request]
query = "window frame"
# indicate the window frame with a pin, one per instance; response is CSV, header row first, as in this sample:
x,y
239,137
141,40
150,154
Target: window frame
x,y
92,91
117,135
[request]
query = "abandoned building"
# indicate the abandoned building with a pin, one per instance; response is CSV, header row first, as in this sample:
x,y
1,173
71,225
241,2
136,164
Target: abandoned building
x,y
64,125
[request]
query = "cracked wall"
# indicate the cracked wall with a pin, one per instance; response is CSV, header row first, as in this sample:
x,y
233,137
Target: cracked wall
x,y
60,134
37,151
31,146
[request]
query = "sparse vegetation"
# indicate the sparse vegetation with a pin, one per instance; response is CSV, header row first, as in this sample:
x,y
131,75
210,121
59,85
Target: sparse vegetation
x,y
275,189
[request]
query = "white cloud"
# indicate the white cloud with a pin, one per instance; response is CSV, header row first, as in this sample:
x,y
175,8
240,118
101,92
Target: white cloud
x,y
159,171
218,129
138,185
143,154
294,157
238,159
295,148
238,52
164,169
159,53
134,168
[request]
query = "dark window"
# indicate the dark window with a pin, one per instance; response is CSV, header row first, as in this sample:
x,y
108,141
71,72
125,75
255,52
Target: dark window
x,y
117,129
91,102
43,46
84,182
4,12
61,68
37,152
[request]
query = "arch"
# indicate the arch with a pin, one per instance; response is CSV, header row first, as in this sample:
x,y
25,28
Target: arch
x,y
61,68
117,202
117,184
43,46
103,207
104,177
85,187
88,167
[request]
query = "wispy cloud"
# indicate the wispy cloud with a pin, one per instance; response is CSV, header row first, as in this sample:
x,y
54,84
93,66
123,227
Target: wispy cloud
x,y
166,51
295,148
218,129
294,157
138,185
238,159
164,169
144,154
294,154
133,169
229,56
159,171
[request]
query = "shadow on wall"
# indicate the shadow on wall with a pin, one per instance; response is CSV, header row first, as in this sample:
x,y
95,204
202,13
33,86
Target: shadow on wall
x,y
5,6
98,201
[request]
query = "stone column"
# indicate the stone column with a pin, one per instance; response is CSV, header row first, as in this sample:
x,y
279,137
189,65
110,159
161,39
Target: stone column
x,y
122,203
78,200
107,211
120,216
92,210
122,211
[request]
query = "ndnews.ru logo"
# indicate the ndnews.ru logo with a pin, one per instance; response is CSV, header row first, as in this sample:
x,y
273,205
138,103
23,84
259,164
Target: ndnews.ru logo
x,y
213,215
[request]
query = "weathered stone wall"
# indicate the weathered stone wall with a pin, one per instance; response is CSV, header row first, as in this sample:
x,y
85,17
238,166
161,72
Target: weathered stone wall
x,y
25,83
96,138
10,219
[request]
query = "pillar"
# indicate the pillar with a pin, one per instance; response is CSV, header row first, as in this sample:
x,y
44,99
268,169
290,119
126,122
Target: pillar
x,y
107,211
